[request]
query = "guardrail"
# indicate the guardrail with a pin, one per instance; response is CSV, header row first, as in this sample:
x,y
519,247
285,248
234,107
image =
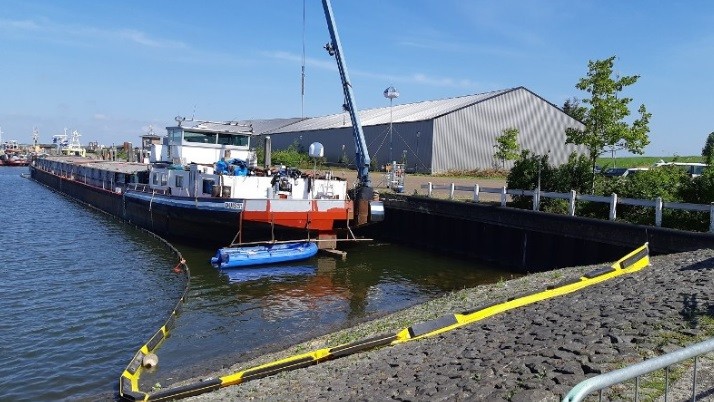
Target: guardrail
x,y
613,200
606,380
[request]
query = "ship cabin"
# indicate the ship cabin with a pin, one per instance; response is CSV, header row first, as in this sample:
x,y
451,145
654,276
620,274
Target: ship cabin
x,y
204,143
211,159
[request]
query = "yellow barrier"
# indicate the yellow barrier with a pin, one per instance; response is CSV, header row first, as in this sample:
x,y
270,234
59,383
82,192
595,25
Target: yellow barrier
x,y
632,262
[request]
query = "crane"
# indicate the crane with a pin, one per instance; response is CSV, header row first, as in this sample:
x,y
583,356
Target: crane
x,y
334,48
366,207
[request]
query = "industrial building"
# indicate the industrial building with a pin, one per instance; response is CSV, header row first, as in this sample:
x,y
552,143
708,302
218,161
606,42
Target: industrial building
x,y
436,136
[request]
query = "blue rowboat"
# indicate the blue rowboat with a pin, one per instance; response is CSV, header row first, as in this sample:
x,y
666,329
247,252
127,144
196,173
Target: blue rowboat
x,y
236,257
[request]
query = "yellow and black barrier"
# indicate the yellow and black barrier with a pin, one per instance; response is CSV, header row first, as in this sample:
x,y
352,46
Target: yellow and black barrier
x,y
632,262
129,380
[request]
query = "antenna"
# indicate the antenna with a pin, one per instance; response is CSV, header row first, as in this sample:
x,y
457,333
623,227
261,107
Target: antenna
x,y
194,112
302,79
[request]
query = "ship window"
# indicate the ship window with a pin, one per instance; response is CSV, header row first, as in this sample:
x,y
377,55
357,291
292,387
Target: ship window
x,y
208,186
174,135
155,180
231,139
164,179
179,181
205,138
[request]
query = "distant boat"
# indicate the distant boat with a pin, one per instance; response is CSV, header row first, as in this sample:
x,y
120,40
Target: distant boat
x,y
12,155
243,256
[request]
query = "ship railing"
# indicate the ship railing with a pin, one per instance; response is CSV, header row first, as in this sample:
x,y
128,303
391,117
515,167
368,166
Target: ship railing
x,y
144,188
505,194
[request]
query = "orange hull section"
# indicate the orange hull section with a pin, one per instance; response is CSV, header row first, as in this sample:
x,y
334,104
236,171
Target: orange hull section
x,y
301,214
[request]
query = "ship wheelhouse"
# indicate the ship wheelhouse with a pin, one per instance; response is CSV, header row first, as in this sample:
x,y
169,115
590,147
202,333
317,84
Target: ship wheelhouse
x,y
204,143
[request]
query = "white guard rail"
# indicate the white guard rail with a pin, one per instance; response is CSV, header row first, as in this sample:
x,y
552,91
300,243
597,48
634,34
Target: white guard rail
x,y
572,197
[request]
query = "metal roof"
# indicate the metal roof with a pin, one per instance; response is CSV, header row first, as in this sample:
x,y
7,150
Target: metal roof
x,y
262,126
228,127
410,112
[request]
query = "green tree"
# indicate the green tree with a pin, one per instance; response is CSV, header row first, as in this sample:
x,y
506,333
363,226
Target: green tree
x,y
507,146
574,109
708,150
603,118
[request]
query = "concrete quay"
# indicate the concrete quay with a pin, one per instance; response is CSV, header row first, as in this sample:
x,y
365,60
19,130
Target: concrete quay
x,y
534,353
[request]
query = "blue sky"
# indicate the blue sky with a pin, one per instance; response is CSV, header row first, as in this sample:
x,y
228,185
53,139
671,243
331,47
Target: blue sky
x,y
109,69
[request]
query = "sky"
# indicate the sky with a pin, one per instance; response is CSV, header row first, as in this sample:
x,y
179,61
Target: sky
x,y
112,69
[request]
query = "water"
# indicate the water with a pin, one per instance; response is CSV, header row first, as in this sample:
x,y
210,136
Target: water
x,y
82,291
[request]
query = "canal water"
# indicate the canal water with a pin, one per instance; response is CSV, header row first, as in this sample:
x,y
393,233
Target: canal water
x,y
82,291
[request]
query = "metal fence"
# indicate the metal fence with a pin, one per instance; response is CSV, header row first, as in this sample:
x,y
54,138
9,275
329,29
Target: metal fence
x,y
603,381
657,204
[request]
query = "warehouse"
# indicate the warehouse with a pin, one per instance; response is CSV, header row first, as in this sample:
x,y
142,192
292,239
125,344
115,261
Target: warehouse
x,y
437,136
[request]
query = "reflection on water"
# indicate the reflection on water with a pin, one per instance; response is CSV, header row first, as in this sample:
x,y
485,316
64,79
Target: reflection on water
x,y
232,314
275,273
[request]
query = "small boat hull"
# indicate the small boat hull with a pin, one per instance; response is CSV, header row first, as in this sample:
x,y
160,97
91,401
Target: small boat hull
x,y
237,257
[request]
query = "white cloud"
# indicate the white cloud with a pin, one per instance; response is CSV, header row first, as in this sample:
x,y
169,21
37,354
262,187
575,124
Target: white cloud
x,y
142,39
100,116
292,57
418,78
81,35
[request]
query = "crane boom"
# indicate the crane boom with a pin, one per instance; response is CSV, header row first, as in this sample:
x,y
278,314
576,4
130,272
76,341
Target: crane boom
x,y
335,49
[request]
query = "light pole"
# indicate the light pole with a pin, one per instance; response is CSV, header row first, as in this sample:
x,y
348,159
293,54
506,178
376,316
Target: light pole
x,y
417,151
390,93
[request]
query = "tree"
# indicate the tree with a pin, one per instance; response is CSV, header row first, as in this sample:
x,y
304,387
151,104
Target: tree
x,y
603,118
708,150
574,109
507,146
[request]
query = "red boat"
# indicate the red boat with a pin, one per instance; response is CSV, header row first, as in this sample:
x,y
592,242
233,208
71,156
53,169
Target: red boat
x,y
12,156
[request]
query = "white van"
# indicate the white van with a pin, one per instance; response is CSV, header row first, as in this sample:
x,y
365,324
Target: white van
x,y
693,169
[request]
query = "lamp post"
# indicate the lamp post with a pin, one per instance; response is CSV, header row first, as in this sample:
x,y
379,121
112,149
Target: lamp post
x,y
390,93
417,151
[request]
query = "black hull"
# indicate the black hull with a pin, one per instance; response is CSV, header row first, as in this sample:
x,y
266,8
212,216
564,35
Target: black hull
x,y
190,225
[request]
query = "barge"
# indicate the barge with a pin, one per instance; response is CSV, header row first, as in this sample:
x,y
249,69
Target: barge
x,y
202,185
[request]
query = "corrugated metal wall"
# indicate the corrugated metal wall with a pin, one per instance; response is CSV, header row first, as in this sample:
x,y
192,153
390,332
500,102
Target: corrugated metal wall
x,y
459,140
414,137
465,139
411,143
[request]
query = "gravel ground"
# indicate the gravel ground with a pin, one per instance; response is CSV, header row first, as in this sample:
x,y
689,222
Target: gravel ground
x,y
413,182
534,353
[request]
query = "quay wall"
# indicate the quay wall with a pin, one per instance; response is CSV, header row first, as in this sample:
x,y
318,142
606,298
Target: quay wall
x,y
529,241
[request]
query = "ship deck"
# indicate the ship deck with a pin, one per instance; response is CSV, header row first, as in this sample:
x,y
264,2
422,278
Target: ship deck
x,y
111,166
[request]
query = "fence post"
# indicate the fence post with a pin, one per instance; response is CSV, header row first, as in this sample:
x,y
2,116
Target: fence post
x,y
503,196
571,203
658,211
429,190
536,199
476,190
711,217
613,207
451,192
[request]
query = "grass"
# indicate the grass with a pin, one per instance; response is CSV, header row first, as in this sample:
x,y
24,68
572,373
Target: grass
x,y
643,161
